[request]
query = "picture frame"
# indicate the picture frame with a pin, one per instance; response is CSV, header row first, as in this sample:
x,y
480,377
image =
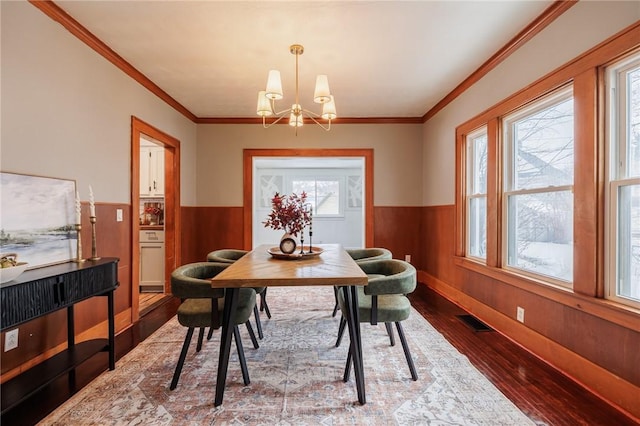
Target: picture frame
x,y
37,220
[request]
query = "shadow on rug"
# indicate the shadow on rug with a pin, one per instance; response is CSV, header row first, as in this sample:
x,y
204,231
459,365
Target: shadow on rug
x,y
296,378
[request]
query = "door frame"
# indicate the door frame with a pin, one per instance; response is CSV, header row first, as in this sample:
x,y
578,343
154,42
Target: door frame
x,y
247,190
172,244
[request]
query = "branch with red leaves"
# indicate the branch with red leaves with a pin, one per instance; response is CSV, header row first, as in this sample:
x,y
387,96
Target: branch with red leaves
x,y
288,213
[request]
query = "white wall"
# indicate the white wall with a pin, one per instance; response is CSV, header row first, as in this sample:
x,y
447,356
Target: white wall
x,y
66,111
397,157
583,26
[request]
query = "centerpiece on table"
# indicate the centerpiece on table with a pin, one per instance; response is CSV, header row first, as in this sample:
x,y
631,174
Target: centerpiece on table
x,y
289,213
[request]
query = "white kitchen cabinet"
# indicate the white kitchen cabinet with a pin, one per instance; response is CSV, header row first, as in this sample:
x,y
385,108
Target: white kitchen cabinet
x,y
151,261
151,171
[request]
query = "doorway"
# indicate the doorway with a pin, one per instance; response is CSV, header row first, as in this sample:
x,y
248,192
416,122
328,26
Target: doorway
x,y
250,155
155,202
335,191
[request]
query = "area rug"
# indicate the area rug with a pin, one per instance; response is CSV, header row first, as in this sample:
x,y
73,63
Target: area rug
x,y
296,378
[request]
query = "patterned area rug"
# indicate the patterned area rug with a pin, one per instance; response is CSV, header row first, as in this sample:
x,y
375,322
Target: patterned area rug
x,y
296,378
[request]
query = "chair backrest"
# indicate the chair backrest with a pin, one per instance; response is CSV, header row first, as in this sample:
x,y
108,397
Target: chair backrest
x,y
193,280
226,255
394,277
369,254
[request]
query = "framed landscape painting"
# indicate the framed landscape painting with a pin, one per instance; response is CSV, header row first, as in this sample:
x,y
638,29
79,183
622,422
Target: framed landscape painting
x,y
37,219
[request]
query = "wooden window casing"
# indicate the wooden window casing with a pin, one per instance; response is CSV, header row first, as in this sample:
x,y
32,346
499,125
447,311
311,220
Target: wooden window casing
x,y
585,74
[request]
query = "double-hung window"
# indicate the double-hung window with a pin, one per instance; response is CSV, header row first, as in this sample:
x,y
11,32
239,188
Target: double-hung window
x,y
623,190
538,189
476,193
322,193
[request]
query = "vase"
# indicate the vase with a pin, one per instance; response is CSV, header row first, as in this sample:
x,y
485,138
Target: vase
x,y
288,243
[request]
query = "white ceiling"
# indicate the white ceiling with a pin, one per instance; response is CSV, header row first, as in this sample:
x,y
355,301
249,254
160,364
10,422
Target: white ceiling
x,y
383,58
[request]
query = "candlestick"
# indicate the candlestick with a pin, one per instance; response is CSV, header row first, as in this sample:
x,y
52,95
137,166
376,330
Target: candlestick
x,y
302,242
79,258
78,208
310,229
92,205
94,250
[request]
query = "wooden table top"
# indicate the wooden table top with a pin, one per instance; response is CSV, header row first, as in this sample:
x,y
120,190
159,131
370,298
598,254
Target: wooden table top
x,y
258,268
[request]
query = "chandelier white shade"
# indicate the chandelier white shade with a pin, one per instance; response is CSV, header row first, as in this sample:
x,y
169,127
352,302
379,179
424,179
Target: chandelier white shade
x,y
321,95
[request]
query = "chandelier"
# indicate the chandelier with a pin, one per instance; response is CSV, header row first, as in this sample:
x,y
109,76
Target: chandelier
x,y
296,114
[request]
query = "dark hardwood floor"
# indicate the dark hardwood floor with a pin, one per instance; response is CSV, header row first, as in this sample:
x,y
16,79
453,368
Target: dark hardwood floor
x,y
545,395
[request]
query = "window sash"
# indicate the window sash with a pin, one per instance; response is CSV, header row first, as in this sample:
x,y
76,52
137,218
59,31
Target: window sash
x,y
535,223
529,255
333,202
622,235
476,144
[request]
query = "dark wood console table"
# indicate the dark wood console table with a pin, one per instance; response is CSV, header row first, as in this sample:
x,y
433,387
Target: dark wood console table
x,y
41,291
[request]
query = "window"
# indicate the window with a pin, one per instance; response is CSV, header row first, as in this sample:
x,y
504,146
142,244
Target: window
x,y
623,191
476,144
538,188
322,193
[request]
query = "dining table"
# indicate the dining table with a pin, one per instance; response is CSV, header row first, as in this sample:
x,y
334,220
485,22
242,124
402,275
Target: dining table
x,y
266,266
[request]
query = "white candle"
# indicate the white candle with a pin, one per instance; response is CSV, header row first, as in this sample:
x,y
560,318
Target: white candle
x,y
92,206
77,206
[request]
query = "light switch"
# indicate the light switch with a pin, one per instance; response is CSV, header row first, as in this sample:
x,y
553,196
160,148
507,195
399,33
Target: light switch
x,y
118,215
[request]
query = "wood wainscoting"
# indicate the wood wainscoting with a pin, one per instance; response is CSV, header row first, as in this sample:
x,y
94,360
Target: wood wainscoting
x,y
588,339
46,336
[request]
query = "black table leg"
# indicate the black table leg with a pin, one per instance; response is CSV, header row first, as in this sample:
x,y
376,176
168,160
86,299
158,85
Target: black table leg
x,y
112,332
231,297
353,321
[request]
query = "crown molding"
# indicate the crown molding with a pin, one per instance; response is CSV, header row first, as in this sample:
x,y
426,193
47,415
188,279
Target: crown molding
x,y
53,11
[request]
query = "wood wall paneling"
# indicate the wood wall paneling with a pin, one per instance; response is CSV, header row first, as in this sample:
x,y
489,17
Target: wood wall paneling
x,y
218,228
593,350
46,336
398,229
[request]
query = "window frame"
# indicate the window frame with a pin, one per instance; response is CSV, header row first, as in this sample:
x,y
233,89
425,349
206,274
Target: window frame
x,y
586,74
617,175
317,177
471,195
554,97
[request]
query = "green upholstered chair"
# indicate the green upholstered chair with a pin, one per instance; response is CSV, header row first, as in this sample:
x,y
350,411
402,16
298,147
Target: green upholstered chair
x,y
364,255
230,256
384,300
202,306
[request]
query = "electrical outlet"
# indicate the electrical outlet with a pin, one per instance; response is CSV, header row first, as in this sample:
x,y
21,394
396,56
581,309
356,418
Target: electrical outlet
x,y
118,215
11,340
407,258
520,314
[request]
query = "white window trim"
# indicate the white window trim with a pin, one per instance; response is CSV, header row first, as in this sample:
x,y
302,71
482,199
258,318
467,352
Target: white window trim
x,y
471,173
342,198
555,97
615,167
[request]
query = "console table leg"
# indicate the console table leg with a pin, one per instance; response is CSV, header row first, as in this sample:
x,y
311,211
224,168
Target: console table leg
x,y
112,332
71,334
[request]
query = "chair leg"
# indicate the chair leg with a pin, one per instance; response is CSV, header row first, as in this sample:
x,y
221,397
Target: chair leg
x,y
252,335
390,333
407,354
347,368
343,325
335,307
256,313
183,355
210,333
241,357
263,303
200,338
